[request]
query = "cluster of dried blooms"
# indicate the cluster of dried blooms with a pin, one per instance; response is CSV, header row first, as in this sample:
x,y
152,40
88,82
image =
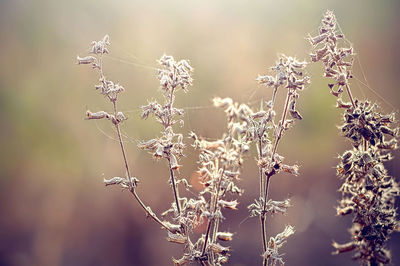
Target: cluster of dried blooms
x,y
220,161
262,130
111,90
172,76
368,192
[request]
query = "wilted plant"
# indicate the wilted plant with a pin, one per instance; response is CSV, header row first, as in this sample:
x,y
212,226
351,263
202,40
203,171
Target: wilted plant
x,y
368,191
111,91
220,160
265,133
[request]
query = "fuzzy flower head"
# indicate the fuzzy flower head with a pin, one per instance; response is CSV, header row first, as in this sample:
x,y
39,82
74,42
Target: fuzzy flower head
x,y
173,74
332,53
364,122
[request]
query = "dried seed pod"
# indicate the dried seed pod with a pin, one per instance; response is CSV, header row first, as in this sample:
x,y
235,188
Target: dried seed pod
x,y
217,248
114,181
176,238
228,204
86,60
174,162
224,236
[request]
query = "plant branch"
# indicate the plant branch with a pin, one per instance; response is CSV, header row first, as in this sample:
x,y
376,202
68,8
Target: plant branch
x,y
213,213
348,90
174,187
279,136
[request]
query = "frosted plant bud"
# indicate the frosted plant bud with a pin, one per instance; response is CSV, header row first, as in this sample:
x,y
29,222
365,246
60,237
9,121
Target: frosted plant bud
x,y
86,60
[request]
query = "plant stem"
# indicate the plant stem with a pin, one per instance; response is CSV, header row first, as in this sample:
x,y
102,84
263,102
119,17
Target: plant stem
x,y
121,143
174,188
262,217
348,91
171,171
132,188
213,213
274,93
260,168
270,173
279,136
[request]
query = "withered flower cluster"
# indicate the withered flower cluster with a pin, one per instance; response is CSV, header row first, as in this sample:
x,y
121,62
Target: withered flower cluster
x,y
172,76
368,192
111,91
265,133
220,161
329,48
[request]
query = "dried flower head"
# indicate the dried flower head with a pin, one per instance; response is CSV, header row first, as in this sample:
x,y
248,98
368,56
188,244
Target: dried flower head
x,y
368,192
261,128
332,52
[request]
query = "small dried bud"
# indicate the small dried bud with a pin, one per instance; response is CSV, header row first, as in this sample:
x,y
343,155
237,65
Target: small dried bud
x,y
222,103
224,236
228,204
268,81
291,169
174,162
86,60
217,248
114,181
176,238
97,115
341,104
341,248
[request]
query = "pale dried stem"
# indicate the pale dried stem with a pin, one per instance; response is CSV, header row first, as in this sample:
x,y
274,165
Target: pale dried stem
x,y
348,90
266,191
174,188
214,207
132,188
172,176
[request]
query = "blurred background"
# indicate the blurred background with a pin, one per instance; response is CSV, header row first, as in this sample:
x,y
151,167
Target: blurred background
x,y
54,208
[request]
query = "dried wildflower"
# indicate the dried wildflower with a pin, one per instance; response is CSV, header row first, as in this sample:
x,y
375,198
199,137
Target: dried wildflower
x,y
224,236
176,238
111,90
220,163
327,50
368,192
262,129
172,75
274,244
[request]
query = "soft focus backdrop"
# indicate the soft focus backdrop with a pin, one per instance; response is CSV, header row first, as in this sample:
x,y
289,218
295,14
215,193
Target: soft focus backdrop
x,y
54,208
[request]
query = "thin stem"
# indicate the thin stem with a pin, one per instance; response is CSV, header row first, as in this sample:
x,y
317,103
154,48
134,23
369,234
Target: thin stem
x,y
121,143
171,171
264,217
279,136
271,173
348,91
261,171
274,93
149,212
350,95
174,188
131,186
213,212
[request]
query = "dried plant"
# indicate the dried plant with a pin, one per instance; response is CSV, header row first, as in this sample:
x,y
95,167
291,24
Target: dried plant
x,y
111,91
368,192
265,133
220,160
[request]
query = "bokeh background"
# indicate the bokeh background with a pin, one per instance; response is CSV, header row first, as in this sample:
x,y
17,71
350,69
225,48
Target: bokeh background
x,y
54,208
